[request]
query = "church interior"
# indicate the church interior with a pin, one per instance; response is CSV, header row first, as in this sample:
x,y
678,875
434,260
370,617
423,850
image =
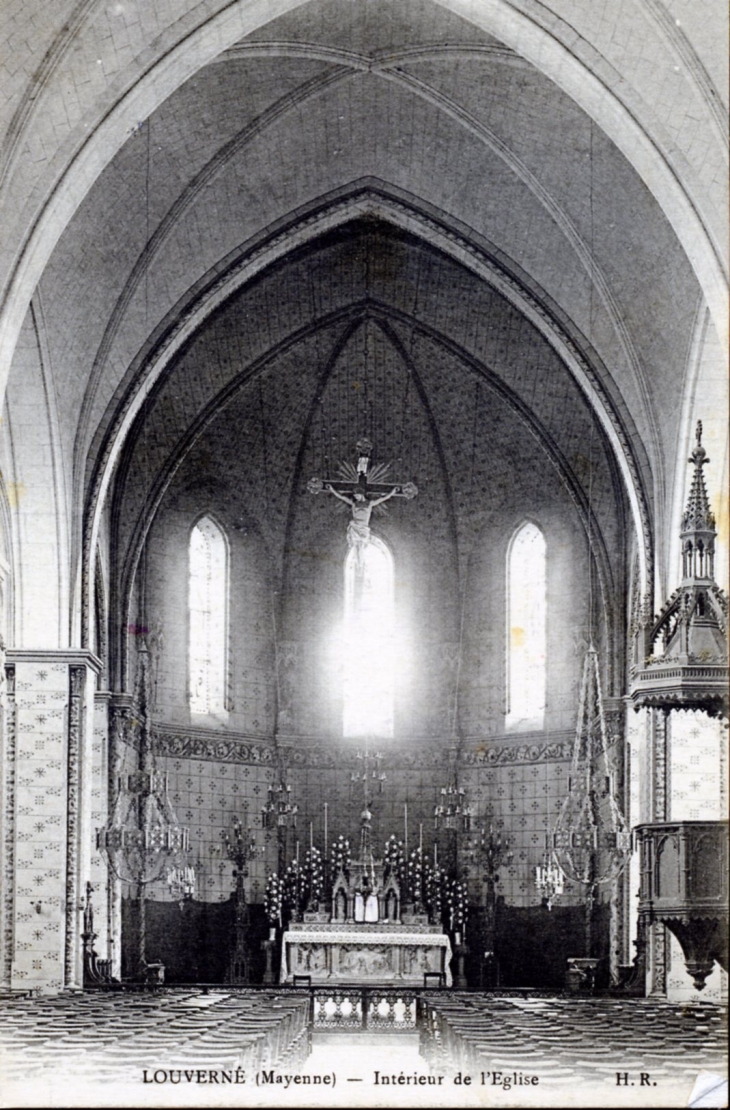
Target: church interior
x,y
364,534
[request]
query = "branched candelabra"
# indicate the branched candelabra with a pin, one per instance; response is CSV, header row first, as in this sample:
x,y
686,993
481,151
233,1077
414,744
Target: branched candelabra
x,y
372,776
143,841
549,879
279,813
452,810
491,850
240,848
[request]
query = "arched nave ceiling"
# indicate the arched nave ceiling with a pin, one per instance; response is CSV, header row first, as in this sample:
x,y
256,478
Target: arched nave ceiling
x,y
144,145
79,78
469,130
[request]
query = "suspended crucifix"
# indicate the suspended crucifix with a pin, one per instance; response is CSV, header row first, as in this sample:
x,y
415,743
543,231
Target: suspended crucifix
x,y
363,489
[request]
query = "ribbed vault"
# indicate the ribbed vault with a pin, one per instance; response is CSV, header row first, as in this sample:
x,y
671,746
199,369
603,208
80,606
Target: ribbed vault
x,y
369,331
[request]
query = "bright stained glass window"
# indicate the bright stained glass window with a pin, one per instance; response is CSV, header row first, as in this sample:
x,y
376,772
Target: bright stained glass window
x,y
208,604
369,637
526,629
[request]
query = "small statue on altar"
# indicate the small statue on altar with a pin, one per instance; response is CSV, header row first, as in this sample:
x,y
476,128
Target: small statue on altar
x,y
366,902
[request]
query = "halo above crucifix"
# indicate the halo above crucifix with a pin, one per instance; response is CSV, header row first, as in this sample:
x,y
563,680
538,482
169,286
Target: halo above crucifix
x,y
363,488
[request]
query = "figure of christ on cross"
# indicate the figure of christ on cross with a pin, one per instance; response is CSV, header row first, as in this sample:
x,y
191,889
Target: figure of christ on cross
x,y
362,491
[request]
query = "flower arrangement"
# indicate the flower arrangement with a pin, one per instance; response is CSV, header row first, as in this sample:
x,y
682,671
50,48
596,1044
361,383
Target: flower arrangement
x,y
436,880
457,903
313,876
394,859
274,899
293,887
340,856
415,876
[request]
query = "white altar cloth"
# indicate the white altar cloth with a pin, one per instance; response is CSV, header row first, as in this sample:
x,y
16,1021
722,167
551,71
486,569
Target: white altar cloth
x,y
364,954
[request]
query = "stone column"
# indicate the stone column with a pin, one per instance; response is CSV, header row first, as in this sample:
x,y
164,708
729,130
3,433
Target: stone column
x,y
8,740
121,759
615,713
47,787
98,875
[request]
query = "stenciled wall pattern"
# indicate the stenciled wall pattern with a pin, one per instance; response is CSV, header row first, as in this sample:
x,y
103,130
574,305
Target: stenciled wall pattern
x,y
518,784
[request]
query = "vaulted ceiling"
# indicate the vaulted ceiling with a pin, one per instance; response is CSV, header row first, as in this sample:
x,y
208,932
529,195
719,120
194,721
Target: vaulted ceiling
x,y
386,178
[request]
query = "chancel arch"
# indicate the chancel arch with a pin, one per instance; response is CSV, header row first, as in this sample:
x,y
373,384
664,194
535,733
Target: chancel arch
x,y
368,200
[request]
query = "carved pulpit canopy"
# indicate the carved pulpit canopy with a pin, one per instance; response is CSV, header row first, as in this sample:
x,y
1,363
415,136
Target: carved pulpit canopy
x,y
680,658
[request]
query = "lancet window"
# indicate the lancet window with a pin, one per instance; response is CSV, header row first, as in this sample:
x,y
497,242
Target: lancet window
x,y
208,617
526,628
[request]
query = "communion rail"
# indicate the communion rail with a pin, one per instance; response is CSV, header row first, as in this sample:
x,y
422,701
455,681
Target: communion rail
x,y
392,1010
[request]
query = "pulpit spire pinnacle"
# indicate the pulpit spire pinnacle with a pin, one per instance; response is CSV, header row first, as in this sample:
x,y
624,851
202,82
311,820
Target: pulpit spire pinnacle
x,y
680,656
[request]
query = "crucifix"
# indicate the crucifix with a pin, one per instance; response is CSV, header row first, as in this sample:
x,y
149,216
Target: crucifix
x,y
363,489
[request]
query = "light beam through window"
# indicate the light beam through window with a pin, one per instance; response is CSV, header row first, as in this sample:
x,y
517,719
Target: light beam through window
x,y
369,636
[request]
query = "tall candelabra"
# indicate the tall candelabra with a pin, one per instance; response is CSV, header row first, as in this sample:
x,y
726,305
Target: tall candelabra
x,y
143,841
240,848
452,816
491,851
549,879
279,813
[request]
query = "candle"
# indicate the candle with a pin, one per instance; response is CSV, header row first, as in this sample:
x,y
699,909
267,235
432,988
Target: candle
x,y
405,828
435,855
325,832
311,836
420,836
297,855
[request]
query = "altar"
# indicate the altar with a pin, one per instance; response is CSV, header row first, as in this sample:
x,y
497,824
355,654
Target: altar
x,y
378,954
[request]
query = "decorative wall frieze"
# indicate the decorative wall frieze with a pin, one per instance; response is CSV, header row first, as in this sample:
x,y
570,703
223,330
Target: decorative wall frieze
x,y
207,744
408,752
545,751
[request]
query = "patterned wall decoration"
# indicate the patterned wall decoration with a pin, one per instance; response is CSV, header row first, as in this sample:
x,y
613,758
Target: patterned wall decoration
x,y
695,743
42,692
520,782
207,793
9,756
98,875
